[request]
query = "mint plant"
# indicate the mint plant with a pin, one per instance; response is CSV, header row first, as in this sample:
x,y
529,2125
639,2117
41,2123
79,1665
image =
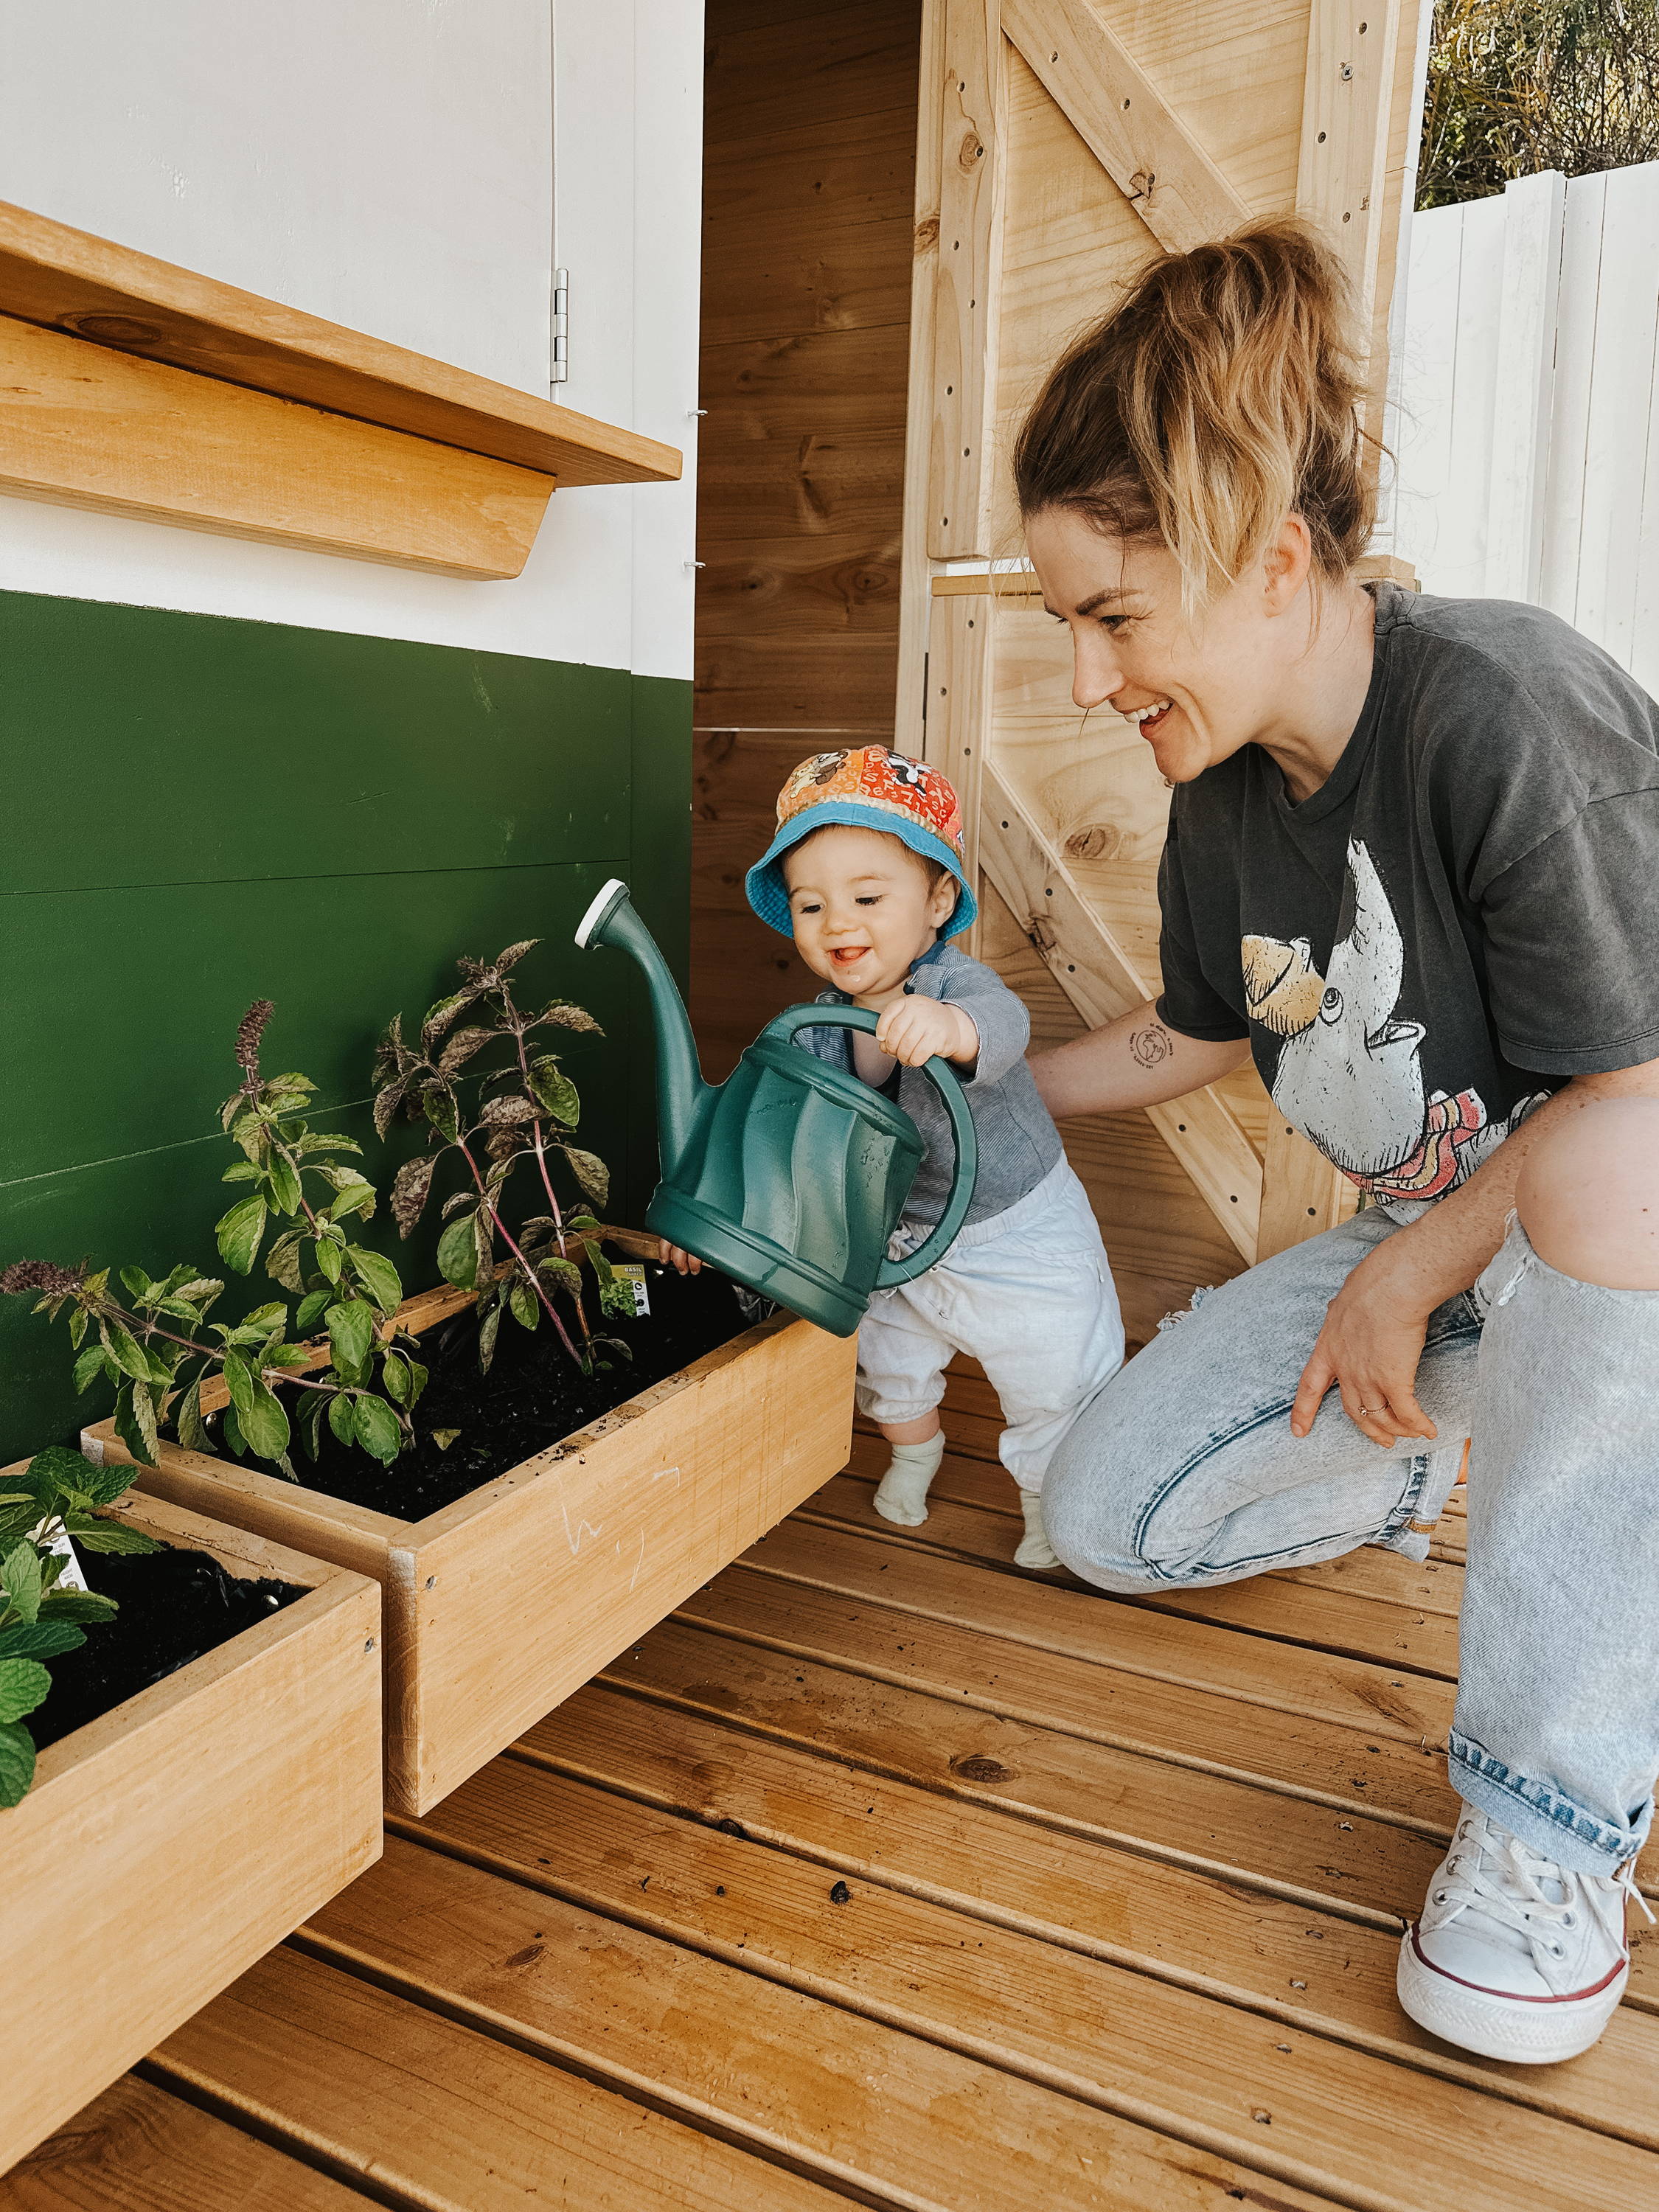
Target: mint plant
x,y
57,1494
156,1345
518,1111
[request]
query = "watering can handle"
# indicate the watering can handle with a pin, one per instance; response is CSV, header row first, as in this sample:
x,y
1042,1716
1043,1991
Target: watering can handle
x,y
946,1081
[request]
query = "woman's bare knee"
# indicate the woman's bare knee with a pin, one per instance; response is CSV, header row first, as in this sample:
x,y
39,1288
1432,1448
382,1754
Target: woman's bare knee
x,y
1588,1194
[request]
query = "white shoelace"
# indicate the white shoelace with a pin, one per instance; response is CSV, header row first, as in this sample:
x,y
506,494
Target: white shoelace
x,y
1526,1895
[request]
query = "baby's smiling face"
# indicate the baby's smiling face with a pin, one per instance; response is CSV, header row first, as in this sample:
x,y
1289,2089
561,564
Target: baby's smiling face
x,y
864,907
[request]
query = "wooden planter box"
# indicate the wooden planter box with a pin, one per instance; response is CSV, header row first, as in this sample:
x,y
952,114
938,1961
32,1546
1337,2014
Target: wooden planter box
x,y
165,1847
501,1604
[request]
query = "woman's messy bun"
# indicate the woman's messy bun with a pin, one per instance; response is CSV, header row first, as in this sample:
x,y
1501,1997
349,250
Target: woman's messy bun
x,y
1221,394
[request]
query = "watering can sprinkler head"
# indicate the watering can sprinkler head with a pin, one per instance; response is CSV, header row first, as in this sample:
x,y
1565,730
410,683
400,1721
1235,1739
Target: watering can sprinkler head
x,y
791,1175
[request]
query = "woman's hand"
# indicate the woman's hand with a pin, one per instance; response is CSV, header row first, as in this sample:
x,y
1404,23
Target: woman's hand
x,y
914,1030
1370,1347
685,1263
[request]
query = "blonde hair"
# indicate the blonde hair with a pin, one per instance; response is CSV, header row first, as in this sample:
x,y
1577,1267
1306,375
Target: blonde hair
x,y
1220,395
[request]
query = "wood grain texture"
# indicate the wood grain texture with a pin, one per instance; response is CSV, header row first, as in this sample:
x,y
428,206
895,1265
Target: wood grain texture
x,y
602,1533
135,2148
112,297
903,2119
443,2115
88,426
810,151
231,1798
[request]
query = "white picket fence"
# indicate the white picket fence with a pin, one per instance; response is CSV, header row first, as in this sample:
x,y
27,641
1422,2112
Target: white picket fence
x,y
1527,421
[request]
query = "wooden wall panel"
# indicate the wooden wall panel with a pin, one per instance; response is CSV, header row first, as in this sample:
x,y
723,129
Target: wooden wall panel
x,y
810,178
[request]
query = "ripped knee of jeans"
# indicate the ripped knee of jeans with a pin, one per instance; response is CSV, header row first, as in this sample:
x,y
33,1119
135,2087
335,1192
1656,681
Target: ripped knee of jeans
x,y
1174,1319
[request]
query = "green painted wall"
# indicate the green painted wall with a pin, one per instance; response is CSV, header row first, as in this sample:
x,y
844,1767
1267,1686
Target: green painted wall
x,y
197,812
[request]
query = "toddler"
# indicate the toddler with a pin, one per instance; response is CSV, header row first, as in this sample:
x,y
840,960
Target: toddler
x,y
865,874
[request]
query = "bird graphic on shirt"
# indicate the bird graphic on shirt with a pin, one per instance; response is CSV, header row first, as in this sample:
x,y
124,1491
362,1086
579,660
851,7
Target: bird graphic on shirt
x,y
1350,1073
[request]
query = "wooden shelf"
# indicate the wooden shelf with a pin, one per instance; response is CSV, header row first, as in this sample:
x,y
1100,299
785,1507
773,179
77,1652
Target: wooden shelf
x,y
148,390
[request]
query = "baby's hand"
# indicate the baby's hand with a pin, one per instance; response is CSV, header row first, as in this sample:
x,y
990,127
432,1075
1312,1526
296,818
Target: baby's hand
x,y
687,1263
914,1030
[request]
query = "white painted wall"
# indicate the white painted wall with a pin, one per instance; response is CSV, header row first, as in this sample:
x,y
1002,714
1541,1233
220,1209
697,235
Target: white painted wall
x,y
390,164
1528,432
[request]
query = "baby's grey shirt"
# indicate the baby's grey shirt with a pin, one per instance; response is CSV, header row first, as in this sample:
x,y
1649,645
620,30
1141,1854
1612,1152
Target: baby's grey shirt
x,y
1018,1143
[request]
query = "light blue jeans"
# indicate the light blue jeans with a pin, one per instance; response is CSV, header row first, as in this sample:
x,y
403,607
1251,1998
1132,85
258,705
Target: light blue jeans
x,y
1183,1472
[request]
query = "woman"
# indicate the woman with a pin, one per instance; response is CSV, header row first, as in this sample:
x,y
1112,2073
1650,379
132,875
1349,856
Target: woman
x,y
1412,863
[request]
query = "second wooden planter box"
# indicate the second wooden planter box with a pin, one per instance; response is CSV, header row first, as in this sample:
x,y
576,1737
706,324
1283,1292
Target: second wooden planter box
x,y
168,1845
501,1604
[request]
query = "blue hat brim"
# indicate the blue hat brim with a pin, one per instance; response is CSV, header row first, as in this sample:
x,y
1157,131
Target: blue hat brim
x,y
769,895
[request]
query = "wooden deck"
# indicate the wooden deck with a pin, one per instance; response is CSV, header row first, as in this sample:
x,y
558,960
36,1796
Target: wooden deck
x,y
884,1872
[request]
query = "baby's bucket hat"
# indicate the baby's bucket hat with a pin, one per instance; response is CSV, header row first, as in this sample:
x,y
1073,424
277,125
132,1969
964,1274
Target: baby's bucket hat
x,y
868,788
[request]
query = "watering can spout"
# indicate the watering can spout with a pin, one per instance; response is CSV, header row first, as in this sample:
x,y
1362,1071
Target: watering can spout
x,y
611,920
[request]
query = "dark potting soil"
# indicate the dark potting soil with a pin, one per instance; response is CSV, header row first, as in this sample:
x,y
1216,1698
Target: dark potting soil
x,y
174,1607
533,1394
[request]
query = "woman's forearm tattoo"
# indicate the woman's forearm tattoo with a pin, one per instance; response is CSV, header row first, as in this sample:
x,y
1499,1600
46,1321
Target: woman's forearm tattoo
x,y
1151,1045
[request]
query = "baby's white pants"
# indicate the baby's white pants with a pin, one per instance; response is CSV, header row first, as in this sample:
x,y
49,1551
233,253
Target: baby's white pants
x,y
1029,1295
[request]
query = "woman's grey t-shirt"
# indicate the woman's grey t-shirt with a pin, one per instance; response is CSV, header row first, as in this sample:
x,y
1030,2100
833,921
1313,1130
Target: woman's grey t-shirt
x,y
1018,1143
1464,915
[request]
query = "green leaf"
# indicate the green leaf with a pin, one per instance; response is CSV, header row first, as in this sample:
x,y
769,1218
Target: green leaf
x,y
196,1288
232,1429
144,1419
555,1092
70,1605
617,1299
251,1133
303,1083
44,1639
378,1277
239,1381
418,1380
136,1280
308,1414
291,1356
352,1334
457,1253
23,1686
328,1258
130,1421
437,1018
20,1574
188,1422
110,1536
128,1354
487,1328
55,1469
264,1423
438,1104
310,1310
77,1325
342,1418
564,1272
394,1378
93,1362
282,1260
378,1428
591,1172
354,1197
16,1764
282,1184
321,1142
239,1233
524,1305
103,1485
264,1322
444,1437
240,1171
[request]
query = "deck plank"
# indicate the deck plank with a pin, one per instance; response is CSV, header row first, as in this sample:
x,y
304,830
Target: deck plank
x,y
1348,1621
445,2115
135,2148
900,2119
1314,1685
1192,2066
1302,1963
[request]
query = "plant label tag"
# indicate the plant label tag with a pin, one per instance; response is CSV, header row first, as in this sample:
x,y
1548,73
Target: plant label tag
x,y
63,1547
632,1272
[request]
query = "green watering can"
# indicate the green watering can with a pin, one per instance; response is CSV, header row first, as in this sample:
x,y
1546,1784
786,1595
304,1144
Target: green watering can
x,y
789,1176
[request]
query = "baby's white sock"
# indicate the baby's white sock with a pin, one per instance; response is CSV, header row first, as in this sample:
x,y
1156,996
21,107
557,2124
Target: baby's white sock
x,y
903,1494
1034,1549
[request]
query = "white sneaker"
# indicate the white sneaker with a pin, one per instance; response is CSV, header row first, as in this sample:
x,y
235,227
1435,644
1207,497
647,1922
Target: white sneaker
x,y
1514,1956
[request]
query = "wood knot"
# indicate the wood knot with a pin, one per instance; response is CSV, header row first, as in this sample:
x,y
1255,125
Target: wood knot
x,y
970,153
1041,931
114,329
527,1957
926,232
1100,840
975,1769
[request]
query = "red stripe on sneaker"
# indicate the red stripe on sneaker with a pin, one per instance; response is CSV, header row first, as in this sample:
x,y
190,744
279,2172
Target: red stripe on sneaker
x,y
1509,1997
